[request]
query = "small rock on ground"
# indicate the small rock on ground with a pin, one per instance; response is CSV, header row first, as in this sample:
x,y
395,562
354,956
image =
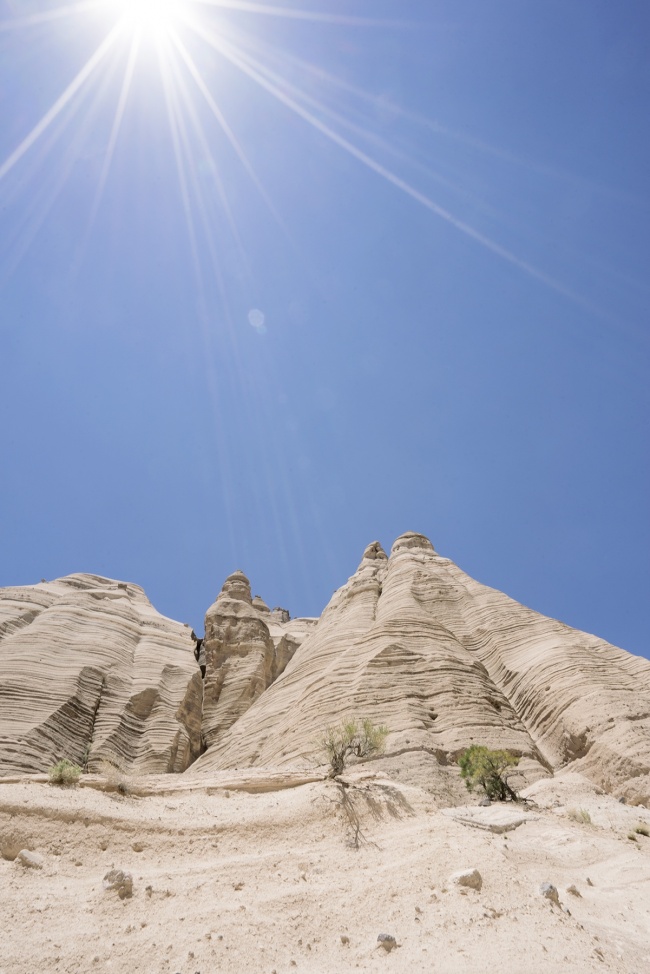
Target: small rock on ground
x,y
31,860
467,877
387,941
550,892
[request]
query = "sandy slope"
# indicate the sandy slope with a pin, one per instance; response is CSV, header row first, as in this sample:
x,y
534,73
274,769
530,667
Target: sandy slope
x,y
269,882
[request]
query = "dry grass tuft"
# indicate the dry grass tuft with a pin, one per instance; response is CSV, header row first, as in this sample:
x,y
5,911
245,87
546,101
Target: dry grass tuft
x,y
64,773
580,815
116,774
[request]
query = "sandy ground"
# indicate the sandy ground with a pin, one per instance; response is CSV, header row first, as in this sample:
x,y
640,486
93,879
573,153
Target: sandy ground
x,y
228,880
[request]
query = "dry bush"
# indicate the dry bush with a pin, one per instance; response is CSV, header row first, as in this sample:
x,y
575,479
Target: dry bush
x,y
642,830
580,815
116,775
362,802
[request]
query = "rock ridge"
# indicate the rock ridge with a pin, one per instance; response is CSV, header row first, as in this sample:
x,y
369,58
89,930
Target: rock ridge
x,y
90,671
445,661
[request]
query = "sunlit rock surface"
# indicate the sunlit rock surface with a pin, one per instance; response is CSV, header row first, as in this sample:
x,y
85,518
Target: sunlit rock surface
x,y
413,642
91,672
246,648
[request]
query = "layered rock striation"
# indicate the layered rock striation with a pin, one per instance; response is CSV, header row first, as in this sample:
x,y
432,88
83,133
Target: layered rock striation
x,y
413,642
91,672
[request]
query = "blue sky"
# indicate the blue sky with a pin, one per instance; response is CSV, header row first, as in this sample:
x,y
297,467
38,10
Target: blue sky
x,y
272,287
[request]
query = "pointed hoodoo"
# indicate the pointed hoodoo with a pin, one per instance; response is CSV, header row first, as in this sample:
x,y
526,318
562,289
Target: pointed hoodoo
x,y
374,552
247,646
260,604
239,657
237,587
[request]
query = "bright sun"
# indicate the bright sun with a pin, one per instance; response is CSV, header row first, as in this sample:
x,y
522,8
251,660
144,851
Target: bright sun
x,y
154,17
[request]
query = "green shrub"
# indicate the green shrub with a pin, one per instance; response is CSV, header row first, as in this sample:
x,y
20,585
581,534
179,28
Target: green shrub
x,y
64,772
351,738
488,770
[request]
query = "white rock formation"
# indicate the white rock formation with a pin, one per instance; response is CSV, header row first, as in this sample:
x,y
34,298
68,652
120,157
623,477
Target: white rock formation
x,y
413,642
90,671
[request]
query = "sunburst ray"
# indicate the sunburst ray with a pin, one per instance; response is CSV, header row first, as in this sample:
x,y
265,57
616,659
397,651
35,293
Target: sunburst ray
x,y
64,99
292,13
245,64
117,123
47,16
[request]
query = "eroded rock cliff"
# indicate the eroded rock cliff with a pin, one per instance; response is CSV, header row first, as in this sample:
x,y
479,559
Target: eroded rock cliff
x,y
91,672
246,648
413,642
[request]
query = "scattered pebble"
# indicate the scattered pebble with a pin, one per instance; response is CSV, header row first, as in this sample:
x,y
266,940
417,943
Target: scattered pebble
x,y
387,941
467,877
120,882
550,892
31,860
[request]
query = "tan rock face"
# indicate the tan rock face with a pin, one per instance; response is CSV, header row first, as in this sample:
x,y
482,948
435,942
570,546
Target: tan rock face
x,y
413,642
238,654
246,648
90,671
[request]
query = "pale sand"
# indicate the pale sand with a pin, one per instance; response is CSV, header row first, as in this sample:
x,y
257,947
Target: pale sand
x,y
268,882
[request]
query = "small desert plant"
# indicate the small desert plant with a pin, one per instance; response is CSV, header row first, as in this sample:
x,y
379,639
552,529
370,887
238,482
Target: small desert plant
x,y
64,772
85,757
488,770
351,738
632,837
579,815
116,775
642,830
